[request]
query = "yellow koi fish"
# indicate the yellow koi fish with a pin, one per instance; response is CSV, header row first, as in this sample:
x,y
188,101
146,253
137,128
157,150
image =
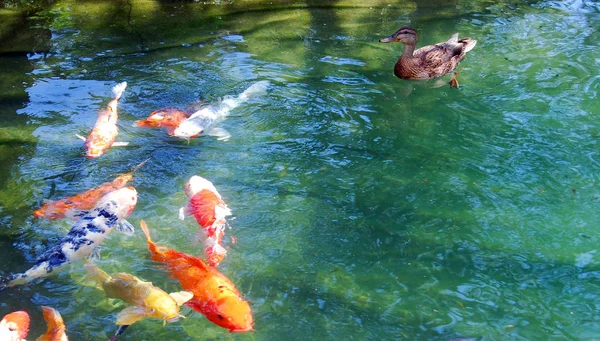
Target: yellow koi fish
x,y
147,300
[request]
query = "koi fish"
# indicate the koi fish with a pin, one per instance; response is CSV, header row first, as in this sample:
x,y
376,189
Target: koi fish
x,y
203,120
215,295
56,327
14,326
169,118
210,211
105,130
147,300
83,238
72,207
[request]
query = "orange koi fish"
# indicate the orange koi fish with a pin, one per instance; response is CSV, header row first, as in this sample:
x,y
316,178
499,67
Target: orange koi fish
x,y
14,326
210,211
56,326
169,118
215,295
69,207
147,300
105,130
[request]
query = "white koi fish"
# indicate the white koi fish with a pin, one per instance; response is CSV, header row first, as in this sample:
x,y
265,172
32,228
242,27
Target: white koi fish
x,y
203,120
85,235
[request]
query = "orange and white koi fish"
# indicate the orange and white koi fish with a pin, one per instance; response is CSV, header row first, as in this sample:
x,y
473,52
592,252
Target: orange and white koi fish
x,y
147,300
83,238
215,295
169,118
210,211
204,120
72,207
56,327
14,326
105,130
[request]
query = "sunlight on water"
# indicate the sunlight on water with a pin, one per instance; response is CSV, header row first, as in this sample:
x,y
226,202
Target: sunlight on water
x,y
364,206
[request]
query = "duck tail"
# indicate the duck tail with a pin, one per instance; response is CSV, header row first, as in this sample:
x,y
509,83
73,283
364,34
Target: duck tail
x,y
453,39
468,44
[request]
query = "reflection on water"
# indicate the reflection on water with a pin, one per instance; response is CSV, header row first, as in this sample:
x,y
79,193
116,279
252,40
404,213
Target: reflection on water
x,y
365,207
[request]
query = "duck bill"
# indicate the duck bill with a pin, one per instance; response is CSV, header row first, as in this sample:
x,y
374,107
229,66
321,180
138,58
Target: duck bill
x,y
389,39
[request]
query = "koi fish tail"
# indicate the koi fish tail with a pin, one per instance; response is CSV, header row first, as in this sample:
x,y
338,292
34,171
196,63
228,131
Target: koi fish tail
x,y
96,274
56,326
139,165
13,280
39,270
118,90
256,89
144,227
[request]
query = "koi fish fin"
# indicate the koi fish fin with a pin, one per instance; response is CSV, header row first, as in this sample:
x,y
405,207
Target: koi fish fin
x,y
140,165
181,297
56,326
144,228
96,274
125,227
130,315
183,212
220,133
119,332
118,90
120,144
257,89
94,256
80,137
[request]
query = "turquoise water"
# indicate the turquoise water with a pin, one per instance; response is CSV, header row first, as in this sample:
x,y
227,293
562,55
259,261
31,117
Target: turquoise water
x,y
365,207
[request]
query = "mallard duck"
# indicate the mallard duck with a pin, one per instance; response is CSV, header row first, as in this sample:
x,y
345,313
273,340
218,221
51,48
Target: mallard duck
x,y
429,61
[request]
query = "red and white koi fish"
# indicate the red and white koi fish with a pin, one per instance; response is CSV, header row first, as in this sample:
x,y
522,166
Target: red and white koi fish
x,y
71,207
105,130
168,118
14,326
208,208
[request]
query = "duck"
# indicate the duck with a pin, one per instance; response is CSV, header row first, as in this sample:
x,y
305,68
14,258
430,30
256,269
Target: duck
x,y
431,61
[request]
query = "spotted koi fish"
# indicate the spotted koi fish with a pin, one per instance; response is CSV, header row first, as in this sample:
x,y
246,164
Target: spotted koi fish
x,y
105,130
73,206
85,235
206,205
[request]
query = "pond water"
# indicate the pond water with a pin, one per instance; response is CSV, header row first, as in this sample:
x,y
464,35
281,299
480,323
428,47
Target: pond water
x,y
365,207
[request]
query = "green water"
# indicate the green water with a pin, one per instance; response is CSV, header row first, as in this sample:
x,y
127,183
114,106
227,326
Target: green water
x,y
365,207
